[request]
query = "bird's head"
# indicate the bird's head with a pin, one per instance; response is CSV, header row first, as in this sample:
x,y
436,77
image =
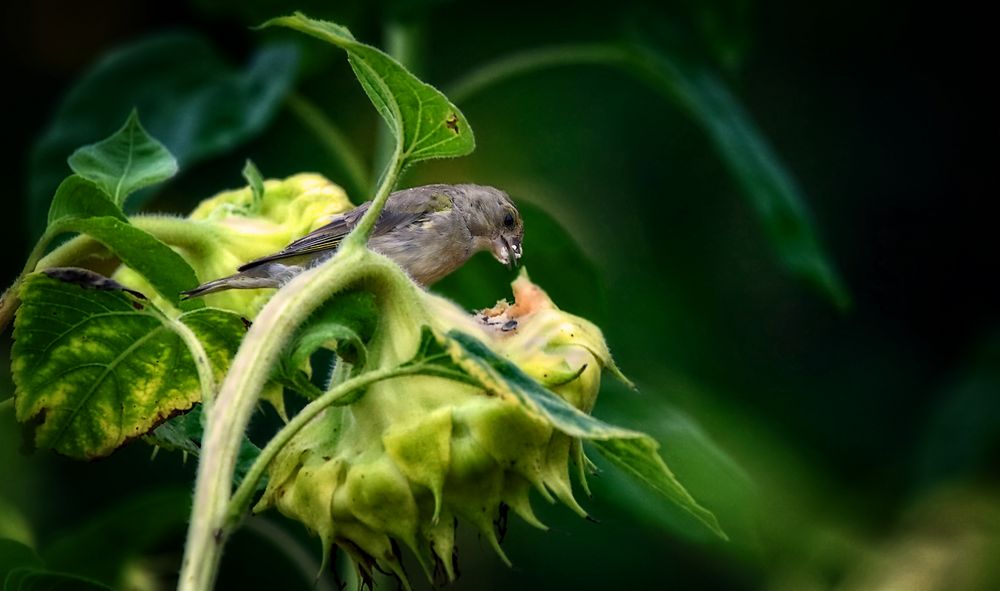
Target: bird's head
x,y
495,222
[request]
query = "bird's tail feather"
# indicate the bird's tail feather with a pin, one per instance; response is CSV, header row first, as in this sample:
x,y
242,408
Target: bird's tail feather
x,y
243,280
209,287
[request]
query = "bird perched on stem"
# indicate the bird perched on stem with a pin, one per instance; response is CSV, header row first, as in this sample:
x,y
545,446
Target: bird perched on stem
x,y
429,231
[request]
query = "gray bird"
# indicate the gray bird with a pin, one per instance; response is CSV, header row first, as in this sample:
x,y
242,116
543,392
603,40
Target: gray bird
x,y
429,231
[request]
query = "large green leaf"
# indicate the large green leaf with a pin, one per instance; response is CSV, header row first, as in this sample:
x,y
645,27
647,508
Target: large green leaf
x,y
95,366
191,100
125,162
165,270
425,123
633,452
81,206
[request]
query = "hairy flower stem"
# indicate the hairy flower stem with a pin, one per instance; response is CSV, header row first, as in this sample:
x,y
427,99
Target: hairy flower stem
x,y
229,414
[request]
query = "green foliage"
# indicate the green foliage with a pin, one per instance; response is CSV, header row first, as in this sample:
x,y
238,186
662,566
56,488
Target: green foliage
x,y
506,379
423,121
31,579
771,189
633,452
125,162
16,555
165,270
96,366
256,183
699,90
184,433
194,102
78,198
637,457
706,470
90,202
343,324
22,570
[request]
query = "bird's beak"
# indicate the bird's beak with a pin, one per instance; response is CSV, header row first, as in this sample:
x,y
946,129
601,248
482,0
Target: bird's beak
x,y
515,249
508,253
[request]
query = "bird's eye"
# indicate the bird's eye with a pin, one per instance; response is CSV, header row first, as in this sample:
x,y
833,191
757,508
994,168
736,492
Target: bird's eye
x,y
508,220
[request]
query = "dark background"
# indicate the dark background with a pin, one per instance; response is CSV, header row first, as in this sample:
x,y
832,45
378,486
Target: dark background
x,y
859,441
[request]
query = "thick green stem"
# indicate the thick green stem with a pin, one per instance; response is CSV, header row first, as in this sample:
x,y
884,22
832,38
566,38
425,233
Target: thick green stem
x,y
229,414
5,404
359,237
192,236
72,252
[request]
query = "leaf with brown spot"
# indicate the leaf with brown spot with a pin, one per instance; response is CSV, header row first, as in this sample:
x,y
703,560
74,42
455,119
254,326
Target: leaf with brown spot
x,y
422,119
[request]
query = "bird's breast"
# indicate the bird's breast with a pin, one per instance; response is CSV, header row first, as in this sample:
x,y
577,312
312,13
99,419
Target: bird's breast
x,y
427,252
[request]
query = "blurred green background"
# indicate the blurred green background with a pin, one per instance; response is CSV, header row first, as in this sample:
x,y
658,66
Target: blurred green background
x,y
843,446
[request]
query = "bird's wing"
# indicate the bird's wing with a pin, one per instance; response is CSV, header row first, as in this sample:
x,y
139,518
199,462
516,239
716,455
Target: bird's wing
x,y
404,208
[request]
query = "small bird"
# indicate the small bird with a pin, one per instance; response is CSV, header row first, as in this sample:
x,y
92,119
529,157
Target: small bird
x,y
429,231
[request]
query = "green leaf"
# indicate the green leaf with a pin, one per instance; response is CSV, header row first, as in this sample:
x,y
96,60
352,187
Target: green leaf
x,y
184,433
165,270
14,523
191,100
78,197
125,162
15,555
80,206
504,378
707,471
770,187
638,458
37,579
256,183
344,324
95,368
424,122
633,452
